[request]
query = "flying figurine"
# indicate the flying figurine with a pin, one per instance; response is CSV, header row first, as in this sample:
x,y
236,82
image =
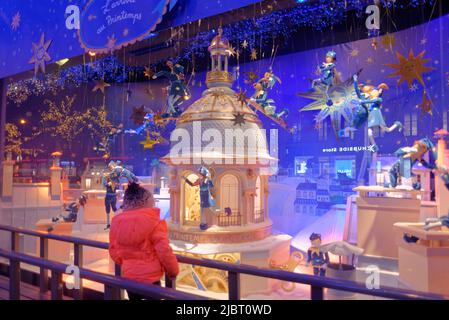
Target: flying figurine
x,y
177,90
260,96
328,75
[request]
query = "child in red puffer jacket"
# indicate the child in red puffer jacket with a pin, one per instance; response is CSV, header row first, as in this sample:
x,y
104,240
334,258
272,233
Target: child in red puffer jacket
x,y
138,240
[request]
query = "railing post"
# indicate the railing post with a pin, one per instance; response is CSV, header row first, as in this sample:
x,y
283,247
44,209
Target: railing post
x,y
112,293
43,274
316,293
78,261
14,279
15,241
234,285
118,273
169,283
56,285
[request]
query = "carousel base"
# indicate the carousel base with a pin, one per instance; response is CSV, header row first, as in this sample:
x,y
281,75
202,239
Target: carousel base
x,y
217,234
275,247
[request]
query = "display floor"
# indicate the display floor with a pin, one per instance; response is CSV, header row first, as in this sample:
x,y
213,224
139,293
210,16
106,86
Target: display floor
x,y
283,191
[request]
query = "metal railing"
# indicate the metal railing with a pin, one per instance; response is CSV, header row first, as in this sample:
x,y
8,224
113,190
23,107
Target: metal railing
x,y
234,219
114,283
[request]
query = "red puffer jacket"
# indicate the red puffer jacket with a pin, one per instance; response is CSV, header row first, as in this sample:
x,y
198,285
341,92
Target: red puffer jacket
x,y
138,242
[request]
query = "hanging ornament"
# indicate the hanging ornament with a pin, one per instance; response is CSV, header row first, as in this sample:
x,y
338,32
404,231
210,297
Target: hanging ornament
x,y
129,93
426,105
138,115
239,119
388,41
40,54
242,97
253,54
100,85
411,68
148,72
244,44
15,23
374,44
111,43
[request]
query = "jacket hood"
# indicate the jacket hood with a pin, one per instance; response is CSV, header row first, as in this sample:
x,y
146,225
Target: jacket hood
x,y
134,227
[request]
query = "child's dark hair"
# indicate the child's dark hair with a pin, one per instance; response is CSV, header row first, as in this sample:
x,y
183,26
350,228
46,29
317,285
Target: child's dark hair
x,y
315,236
135,196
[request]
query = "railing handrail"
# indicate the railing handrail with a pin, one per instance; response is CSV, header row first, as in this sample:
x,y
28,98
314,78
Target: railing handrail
x,y
103,278
314,281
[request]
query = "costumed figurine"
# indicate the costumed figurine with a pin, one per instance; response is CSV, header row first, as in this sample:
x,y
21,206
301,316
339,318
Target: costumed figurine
x,y
370,99
429,223
328,75
111,181
260,96
316,256
409,156
204,182
148,123
177,90
72,210
105,145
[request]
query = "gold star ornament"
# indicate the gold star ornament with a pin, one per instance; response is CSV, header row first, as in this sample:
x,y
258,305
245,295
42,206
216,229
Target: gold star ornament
x,y
410,68
426,104
100,85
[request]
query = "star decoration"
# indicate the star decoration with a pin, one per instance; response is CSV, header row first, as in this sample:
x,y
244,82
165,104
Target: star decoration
x,y
253,54
242,97
148,72
354,52
413,87
40,54
426,104
244,44
239,119
138,115
343,97
100,85
250,76
388,41
111,43
149,142
411,68
15,23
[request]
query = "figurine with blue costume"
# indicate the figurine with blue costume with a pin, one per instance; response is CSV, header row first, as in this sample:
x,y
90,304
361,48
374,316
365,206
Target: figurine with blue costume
x,y
111,181
177,90
205,184
260,96
370,99
408,157
317,258
328,75
148,123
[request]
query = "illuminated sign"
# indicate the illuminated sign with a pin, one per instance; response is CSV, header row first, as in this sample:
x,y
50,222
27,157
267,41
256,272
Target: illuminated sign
x,y
349,149
106,25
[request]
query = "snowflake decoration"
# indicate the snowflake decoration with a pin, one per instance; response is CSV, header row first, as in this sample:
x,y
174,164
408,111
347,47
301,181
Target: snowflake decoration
x,y
413,87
